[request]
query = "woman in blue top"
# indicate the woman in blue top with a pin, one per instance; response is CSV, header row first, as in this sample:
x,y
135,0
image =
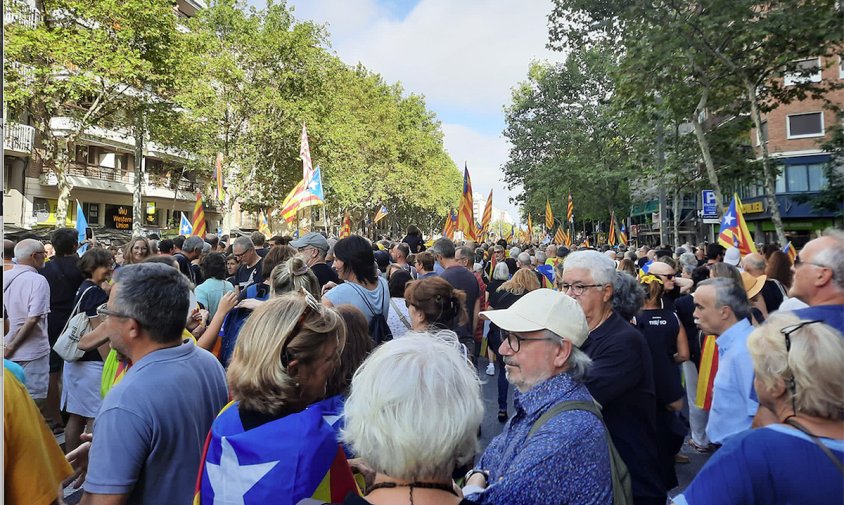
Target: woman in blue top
x,y
799,377
362,287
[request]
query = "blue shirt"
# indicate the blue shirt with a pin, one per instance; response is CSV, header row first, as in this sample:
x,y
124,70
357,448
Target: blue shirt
x,y
732,408
832,315
565,461
775,465
149,434
370,302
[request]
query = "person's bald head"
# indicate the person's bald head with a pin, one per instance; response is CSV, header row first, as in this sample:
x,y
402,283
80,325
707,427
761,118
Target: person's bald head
x,y
754,264
8,250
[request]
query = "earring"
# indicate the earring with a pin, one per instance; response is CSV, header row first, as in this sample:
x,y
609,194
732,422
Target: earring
x,y
297,384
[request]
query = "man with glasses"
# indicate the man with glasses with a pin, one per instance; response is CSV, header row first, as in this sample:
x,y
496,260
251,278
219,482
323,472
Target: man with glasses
x,y
151,428
621,377
249,270
26,300
314,247
544,455
722,309
819,279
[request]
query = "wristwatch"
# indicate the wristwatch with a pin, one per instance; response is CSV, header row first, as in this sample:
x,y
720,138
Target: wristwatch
x,y
473,471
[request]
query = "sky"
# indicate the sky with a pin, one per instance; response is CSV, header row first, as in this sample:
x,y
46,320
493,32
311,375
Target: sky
x,y
464,56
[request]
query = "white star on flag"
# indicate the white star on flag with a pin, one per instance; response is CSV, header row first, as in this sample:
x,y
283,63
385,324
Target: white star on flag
x,y
728,219
231,480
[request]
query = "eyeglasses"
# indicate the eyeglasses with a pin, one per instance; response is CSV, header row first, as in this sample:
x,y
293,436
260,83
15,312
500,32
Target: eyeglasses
x,y
515,341
103,313
667,277
311,305
578,289
238,256
787,332
798,262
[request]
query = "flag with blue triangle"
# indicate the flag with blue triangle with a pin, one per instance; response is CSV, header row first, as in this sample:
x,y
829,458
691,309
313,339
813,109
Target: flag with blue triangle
x,y
186,228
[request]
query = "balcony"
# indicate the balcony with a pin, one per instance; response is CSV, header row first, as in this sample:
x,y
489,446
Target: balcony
x,y
120,181
20,12
18,139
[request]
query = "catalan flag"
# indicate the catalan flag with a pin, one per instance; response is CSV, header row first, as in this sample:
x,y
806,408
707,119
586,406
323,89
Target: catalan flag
x,y
560,236
570,210
586,242
218,177
381,214
283,461
346,230
622,236
529,228
263,224
734,232
465,213
549,216
708,369
487,216
450,224
304,194
198,217
512,233
611,235
790,251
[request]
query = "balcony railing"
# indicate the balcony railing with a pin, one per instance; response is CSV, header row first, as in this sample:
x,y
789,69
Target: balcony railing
x,y
102,173
21,13
18,137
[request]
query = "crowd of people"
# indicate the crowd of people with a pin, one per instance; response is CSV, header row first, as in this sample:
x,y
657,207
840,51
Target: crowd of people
x,y
311,370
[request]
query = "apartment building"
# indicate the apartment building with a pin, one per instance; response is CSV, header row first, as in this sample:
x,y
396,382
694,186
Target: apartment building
x,y
102,169
794,134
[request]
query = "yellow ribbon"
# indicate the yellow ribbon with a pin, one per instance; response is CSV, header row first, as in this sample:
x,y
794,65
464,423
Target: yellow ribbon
x,y
647,279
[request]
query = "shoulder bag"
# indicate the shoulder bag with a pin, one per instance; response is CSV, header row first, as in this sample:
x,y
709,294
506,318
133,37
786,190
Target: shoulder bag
x,y
67,345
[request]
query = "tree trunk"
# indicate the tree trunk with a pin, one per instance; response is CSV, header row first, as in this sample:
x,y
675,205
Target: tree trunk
x,y
676,211
60,166
705,152
769,171
137,195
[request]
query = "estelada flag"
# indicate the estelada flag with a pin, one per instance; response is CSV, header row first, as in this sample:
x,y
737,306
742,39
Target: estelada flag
x,y
622,237
486,219
346,230
466,213
198,217
734,232
706,376
381,214
280,462
790,251
450,225
263,224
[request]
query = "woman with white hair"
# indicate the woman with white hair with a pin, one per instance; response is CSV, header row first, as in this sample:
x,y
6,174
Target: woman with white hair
x,y
412,417
799,377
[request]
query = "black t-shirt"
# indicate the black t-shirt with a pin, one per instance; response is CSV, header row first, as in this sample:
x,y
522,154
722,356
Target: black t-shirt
x,y
461,278
185,267
64,278
660,328
414,243
92,297
353,499
247,275
325,274
772,295
621,380
685,308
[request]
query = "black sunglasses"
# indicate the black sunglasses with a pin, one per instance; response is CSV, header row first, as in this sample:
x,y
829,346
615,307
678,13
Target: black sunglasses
x,y
787,331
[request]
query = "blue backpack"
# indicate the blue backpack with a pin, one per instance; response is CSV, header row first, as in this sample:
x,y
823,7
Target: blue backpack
x,y
234,321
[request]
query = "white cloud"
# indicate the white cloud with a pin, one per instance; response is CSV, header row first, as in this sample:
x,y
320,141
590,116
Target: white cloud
x,y
464,56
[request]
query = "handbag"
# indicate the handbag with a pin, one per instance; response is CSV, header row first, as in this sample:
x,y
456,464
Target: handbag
x,y
67,345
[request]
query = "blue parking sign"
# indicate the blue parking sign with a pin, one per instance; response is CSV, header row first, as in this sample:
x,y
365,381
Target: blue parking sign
x,y
710,208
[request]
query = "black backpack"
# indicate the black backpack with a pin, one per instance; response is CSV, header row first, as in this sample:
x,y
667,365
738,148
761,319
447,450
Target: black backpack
x,y
379,330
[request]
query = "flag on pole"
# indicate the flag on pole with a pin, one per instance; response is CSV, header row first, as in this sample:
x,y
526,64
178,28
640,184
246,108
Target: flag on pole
x,y
198,217
346,229
790,251
611,234
570,210
549,216
734,232
486,219
304,194
218,177
512,233
450,224
263,225
381,214
305,154
81,225
567,236
185,228
622,236
560,236
465,213
530,228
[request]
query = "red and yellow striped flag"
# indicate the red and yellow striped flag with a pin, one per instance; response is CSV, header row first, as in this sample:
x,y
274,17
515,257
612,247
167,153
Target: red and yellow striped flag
x,y
570,210
346,230
465,213
611,235
560,236
198,217
486,219
450,225
549,216
708,369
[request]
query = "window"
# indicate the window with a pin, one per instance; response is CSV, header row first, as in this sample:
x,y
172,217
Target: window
x,y
780,186
797,179
817,177
805,125
808,70
802,178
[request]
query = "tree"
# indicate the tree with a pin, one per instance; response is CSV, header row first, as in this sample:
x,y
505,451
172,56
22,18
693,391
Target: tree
x,y
74,69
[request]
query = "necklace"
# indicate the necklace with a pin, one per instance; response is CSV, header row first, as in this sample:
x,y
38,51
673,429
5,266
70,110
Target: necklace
x,y
422,485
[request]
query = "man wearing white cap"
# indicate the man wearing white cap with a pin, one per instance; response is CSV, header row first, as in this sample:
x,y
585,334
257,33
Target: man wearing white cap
x,y
544,455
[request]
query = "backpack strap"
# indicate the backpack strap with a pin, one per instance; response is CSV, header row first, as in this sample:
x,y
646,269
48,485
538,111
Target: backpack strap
x,y
826,450
76,308
620,475
401,316
363,297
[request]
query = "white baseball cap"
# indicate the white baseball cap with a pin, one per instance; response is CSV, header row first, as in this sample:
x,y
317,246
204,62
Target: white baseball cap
x,y
732,256
543,309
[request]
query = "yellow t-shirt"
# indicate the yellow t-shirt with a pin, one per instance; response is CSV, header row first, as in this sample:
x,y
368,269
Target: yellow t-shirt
x,y
34,463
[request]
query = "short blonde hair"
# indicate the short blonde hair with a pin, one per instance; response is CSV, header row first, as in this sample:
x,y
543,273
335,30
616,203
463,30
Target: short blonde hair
x,y
256,375
815,361
415,407
523,281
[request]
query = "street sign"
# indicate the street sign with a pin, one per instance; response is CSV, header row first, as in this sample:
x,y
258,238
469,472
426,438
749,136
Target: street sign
x,y
710,208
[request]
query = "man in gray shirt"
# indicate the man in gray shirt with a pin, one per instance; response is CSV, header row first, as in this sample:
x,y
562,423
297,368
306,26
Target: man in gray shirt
x,y
150,432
